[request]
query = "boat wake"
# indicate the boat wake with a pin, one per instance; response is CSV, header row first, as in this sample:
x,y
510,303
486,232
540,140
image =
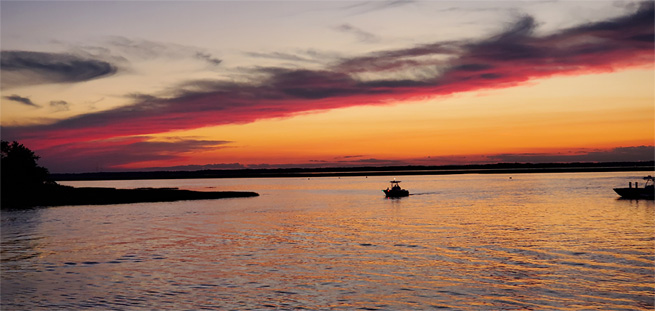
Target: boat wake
x,y
425,193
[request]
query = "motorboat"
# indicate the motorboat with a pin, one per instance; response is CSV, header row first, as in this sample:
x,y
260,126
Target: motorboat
x,y
647,192
394,190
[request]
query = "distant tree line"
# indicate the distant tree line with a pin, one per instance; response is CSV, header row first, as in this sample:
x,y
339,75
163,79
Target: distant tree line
x,y
369,171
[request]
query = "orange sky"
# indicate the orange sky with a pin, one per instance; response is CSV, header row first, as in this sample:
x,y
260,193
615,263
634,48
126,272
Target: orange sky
x,y
327,83
546,116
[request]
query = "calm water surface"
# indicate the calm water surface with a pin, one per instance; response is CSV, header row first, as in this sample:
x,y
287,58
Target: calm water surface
x,y
460,242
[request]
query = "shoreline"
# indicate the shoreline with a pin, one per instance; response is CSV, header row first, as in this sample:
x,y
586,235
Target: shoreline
x,y
501,168
58,195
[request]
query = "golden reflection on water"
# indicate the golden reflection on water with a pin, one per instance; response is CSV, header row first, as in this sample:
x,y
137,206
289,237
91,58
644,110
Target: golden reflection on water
x,y
544,241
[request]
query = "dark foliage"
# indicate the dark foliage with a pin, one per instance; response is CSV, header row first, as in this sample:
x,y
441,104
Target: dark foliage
x,y
25,184
19,166
22,178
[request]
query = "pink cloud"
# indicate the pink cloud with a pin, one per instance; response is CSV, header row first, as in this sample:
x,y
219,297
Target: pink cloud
x,y
435,69
112,154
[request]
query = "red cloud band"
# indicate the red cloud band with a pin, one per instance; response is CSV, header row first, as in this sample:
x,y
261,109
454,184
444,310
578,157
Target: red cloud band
x,y
439,68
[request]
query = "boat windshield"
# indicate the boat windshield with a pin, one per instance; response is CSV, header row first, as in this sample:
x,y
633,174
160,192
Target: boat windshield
x,y
395,185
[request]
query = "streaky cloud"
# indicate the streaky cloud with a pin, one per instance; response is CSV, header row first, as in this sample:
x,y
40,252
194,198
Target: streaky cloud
x,y
280,56
30,68
361,35
505,59
59,105
208,58
373,6
112,154
23,100
139,49
509,58
619,154
194,167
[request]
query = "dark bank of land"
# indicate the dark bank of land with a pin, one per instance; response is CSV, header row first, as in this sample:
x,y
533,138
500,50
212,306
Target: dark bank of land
x,y
500,168
25,184
57,195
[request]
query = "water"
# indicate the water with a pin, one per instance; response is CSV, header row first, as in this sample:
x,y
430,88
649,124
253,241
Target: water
x,y
460,242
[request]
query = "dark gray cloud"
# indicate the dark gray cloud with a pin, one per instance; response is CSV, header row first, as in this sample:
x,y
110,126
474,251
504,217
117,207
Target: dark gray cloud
x,y
25,68
508,58
433,69
472,67
208,58
22,100
59,105
312,84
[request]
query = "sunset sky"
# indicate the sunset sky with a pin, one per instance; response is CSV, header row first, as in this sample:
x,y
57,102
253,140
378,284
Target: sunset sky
x,y
138,85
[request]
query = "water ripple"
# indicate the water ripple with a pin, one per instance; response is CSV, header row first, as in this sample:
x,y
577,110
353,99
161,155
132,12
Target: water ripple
x,y
498,248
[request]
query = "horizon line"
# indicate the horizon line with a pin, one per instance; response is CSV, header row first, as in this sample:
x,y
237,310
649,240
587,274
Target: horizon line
x,y
516,167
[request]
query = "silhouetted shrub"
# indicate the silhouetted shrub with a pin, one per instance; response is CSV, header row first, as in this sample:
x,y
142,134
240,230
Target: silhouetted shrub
x,y
25,184
22,178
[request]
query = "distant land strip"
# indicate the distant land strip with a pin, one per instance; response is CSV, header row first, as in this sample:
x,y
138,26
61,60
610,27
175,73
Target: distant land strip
x,y
499,168
56,195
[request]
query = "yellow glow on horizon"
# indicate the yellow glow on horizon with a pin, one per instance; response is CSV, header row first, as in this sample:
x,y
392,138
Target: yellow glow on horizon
x,y
593,111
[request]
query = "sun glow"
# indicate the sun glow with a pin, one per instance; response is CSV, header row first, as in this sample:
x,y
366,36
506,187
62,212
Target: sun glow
x,y
327,83
547,115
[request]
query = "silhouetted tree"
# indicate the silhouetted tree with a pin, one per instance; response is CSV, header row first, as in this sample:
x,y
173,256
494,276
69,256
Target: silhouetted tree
x,y
22,177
